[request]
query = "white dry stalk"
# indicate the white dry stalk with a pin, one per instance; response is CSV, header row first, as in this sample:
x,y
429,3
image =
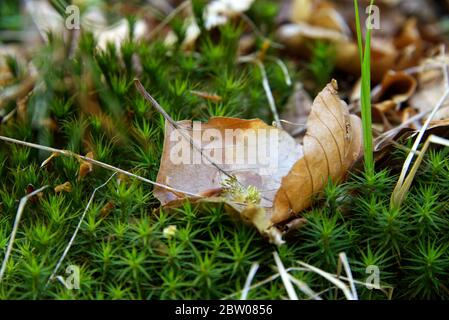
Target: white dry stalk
x,y
293,123
72,239
344,261
317,295
249,279
285,278
175,125
68,153
361,283
398,195
265,84
12,237
262,282
388,135
8,116
401,187
338,274
305,288
331,278
284,69
181,130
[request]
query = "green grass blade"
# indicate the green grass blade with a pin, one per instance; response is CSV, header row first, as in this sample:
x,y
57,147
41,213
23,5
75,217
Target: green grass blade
x,y
359,29
365,99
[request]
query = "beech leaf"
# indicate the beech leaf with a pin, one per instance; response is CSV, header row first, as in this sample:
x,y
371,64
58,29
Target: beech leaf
x,y
268,196
332,144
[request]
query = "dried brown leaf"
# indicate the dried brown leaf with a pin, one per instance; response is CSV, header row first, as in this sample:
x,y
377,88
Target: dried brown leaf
x,y
86,167
205,179
332,144
106,210
395,88
66,187
431,87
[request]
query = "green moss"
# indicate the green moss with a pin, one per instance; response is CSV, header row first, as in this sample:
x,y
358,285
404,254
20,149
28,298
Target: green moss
x,y
124,254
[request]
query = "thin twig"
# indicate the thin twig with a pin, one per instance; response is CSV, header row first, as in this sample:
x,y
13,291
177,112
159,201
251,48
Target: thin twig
x,y
283,67
361,283
249,279
420,136
330,278
72,239
344,260
175,125
293,123
338,275
277,275
390,133
172,122
398,193
168,18
97,163
265,84
285,278
305,288
19,213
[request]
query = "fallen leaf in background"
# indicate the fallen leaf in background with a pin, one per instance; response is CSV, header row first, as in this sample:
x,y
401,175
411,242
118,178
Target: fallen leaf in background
x,y
300,35
327,16
296,34
409,44
297,111
395,88
398,44
383,54
383,148
263,195
431,87
390,106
